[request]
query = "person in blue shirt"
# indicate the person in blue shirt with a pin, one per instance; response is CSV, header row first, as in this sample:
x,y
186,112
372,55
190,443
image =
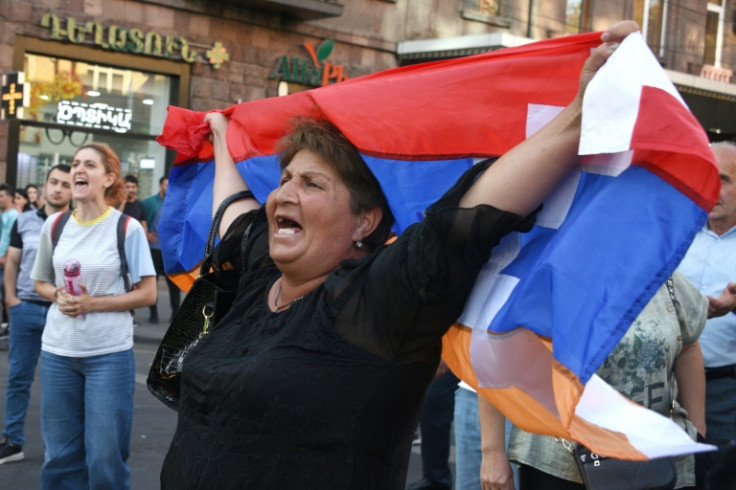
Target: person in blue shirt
x,y
152,206
8,215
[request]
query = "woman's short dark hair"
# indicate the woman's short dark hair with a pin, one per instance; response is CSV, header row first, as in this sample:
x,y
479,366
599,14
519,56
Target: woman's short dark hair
x,y
324,139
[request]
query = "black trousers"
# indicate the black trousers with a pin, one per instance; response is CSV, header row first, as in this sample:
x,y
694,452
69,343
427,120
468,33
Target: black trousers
x,y
531,478
435,424
174,291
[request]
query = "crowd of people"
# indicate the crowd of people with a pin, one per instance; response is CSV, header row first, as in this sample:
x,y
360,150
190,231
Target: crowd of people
x,y
317,374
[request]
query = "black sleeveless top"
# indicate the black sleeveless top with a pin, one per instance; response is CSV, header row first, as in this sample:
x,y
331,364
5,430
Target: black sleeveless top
x,y
325,394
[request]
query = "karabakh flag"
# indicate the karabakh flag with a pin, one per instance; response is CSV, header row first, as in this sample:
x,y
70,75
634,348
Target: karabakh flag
x,y
551,304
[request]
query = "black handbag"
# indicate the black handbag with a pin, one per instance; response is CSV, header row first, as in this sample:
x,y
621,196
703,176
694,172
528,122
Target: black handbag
x,y
601,473
209,298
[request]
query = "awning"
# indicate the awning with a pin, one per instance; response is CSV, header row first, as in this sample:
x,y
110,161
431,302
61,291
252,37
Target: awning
x,y
712,102
420,50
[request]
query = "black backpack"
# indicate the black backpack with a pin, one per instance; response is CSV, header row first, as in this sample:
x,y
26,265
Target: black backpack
x,y
58,226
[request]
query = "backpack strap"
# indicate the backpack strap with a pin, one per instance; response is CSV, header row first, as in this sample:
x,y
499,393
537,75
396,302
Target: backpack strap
x,y
57,227
122,229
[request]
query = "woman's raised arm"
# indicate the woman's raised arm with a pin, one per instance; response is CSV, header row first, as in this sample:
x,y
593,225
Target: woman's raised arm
x,y
523,177
228,180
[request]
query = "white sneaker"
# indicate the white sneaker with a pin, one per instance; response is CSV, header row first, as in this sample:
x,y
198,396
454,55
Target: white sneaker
x,y
10,452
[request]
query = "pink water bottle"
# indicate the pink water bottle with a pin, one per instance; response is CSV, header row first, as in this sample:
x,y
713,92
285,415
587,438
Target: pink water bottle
x,y
72,277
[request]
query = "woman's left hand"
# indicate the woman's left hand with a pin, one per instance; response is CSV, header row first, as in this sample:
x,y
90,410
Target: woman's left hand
x,y
611,39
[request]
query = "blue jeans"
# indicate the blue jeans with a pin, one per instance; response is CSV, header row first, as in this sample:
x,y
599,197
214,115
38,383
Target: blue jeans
x,y
24,337
720,410
86,419
2,295
467,441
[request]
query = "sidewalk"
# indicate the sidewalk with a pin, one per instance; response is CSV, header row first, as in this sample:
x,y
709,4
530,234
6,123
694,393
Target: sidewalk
x,y
153,333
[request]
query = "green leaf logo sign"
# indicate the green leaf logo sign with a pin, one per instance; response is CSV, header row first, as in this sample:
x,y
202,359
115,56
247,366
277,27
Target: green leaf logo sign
x,y
314,71
325,49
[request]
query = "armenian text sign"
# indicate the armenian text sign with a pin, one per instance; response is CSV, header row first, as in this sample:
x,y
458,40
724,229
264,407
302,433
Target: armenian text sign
x,y
116,38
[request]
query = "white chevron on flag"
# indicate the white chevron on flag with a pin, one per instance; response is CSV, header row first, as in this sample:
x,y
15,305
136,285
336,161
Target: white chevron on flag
x,y
612,99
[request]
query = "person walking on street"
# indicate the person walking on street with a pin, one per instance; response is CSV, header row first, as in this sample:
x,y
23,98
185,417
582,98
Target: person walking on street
x,y
435,425
132,206
28,309
153,205
8,215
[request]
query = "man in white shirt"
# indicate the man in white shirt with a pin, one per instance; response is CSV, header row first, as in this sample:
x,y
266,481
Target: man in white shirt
x,y
710,264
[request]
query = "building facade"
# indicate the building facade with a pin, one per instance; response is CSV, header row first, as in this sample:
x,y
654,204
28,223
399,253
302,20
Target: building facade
x,y
106,70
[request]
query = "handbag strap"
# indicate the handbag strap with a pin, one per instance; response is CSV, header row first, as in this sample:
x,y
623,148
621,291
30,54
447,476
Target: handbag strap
x,y
246,243
671,289
216,220
566,444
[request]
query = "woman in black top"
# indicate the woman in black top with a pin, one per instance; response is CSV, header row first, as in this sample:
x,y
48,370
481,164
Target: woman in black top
x,y
315,376
32,192
21,201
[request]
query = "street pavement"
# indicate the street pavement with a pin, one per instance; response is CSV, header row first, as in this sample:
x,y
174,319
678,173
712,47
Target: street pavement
x,y
153,423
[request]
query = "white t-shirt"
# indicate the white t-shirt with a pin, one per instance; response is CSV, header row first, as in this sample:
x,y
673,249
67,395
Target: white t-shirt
x,y
94,245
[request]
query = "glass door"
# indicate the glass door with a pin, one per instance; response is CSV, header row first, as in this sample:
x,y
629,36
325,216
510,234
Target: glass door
x,y
75,102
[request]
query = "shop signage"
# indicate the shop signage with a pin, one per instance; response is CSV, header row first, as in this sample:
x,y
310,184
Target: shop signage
x,y
116,38
313,71
98,115
15,95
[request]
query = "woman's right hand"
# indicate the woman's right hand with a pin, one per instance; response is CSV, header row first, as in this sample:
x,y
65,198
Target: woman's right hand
x,y
228,180
218,124
724,303
495,471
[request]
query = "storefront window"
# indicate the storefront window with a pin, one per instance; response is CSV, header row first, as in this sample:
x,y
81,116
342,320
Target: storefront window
x,y
74,102
573,16
650,15
713,36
